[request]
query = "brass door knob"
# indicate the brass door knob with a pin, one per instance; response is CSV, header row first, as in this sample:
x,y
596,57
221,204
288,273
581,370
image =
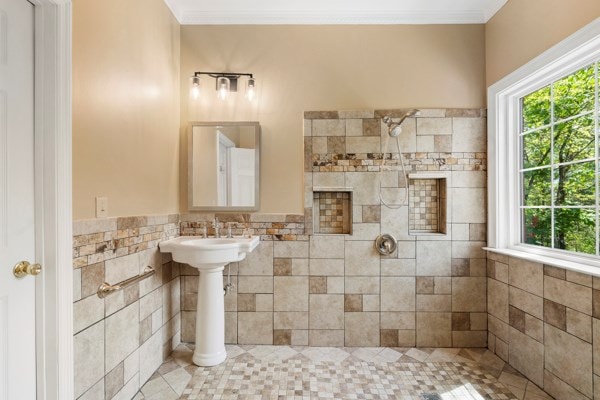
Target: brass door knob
x,y
24,268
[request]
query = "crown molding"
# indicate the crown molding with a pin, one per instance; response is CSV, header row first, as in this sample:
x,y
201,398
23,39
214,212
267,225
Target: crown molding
x,y
423,14
329,18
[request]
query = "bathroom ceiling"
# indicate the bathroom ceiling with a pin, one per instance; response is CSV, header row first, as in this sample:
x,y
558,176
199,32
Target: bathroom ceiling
x,y
206,12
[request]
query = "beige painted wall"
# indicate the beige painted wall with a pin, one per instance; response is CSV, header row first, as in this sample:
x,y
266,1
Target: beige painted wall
x,y
523,29
301,68
125,107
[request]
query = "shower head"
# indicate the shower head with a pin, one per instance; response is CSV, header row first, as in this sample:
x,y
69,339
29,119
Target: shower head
x,y
394,128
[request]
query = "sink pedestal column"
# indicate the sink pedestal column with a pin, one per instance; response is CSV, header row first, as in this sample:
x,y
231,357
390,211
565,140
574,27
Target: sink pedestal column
x,y
210,319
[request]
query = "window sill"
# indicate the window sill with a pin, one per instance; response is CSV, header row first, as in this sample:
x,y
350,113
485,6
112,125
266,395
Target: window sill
x,y
553,261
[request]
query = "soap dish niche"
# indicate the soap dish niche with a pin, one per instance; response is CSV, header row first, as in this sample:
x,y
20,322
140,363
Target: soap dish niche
x,y
428,204
332,211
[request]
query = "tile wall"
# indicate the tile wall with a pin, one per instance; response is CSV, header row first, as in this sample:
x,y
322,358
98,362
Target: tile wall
x,y
545,322
301,288
120,341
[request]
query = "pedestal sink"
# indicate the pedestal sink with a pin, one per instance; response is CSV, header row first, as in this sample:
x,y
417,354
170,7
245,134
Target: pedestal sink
x,y
209,256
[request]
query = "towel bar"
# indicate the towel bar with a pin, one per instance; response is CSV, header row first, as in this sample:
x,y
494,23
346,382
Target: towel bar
x,y
106,288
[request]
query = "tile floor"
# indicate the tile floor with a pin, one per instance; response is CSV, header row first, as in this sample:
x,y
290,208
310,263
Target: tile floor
x,y
291,372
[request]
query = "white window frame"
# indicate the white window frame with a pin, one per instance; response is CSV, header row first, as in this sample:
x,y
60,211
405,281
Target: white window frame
x,y
504,161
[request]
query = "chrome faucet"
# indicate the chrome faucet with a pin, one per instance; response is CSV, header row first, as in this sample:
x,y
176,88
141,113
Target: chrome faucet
x,y
216,226
229,232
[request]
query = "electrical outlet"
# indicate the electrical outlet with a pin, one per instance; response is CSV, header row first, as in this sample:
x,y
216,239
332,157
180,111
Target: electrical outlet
x,y
101,207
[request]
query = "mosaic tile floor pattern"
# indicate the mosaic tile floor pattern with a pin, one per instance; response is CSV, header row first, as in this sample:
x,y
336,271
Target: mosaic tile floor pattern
x,y
284,372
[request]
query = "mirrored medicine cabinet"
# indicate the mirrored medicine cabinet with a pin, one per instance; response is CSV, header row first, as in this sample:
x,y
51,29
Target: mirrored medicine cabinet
x,y
223,166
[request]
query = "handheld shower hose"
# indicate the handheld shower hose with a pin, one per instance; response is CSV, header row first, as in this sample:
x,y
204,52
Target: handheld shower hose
x,y
394,130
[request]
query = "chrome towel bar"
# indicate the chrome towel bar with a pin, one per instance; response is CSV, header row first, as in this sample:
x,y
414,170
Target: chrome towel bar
x,y
106,288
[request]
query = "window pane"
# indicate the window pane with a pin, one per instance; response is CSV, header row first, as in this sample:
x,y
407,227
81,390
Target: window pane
x,y
537,227
575,230
536,148
536,187
574,94
575,184
574,140
535,108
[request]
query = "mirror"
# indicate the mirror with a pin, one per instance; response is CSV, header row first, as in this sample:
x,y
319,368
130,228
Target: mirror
x,y
223,166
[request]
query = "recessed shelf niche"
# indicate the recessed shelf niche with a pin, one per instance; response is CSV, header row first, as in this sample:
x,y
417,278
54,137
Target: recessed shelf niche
x,y
332,211
427,204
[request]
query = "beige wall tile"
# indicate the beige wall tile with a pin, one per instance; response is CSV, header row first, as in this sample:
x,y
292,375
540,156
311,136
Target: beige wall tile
x,y
534,327
328,127
255,328
290,293
526,301
407,249
469,294
371,302
258,262
434,126
434,302
579,278
151,356
326,311
469,135
300,266
326,267
472,179
327,337
362,285
121,268
362,259
461,249
425,143
569,294
290,249
569,358
497,299
526,275
364,187
468,205
433,258
255,284
434,329
398,267
579,324
335,284
363,231
327,246
398,320
361,329
395,222
442,285
469,339
354,127
87,312
596,348
398,294
300,338
363,144
88,348
231,330
290,320
122,335
559,389
526,355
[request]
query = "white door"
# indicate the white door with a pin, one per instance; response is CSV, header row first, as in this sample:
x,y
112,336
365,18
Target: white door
x,y
17,296
242,181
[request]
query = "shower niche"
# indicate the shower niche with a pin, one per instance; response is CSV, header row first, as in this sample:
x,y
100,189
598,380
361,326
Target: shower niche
x,y
427,203
332,211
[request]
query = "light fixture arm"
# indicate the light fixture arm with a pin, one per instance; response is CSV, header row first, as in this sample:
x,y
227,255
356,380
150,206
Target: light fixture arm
x,y
232,76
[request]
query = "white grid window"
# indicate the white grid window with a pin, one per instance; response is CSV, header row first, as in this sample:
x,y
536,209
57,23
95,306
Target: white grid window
x,y
543,152
559,163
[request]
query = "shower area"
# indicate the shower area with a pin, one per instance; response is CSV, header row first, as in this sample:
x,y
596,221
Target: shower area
x,y
417,178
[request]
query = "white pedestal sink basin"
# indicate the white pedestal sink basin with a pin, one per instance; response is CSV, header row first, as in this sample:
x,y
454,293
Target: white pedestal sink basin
x,y
209,256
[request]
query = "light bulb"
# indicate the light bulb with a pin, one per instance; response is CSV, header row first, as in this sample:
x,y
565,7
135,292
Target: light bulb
x,y
222,87
195,89
251,89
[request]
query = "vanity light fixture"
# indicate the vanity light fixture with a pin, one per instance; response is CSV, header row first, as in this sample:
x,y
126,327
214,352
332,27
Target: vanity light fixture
x,y
226,82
